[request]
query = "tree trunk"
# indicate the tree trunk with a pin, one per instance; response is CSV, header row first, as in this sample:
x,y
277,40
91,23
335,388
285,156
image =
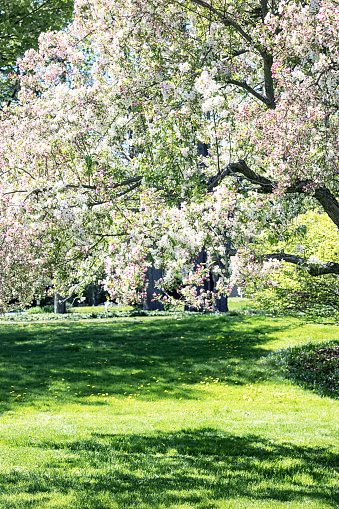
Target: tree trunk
x,y
93,299
200,259
150,304
209,285
221,304
59,304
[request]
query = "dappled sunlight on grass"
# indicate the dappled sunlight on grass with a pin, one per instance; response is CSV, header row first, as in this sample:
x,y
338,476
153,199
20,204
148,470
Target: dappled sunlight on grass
x,y
162,413
145,359
198,467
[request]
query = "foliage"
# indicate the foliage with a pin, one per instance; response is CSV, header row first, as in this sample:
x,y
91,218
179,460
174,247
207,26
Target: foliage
x,y
21,23
160,414
46,313
38,310
35,315
314,237
149,131
314,365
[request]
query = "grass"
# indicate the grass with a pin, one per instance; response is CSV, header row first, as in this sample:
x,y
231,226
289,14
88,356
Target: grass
x,y
239,305
158,413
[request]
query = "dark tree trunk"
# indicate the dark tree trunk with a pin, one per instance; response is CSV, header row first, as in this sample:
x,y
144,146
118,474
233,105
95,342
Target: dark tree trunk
x,y
209,285
93,295
221,304
59,304
201,258
152,276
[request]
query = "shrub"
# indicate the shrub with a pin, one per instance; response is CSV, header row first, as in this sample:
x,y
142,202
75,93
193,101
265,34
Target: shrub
x,y
47,309
34,311
314,366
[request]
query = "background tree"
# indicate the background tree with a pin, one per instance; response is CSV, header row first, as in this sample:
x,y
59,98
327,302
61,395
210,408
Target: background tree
x,y
314,237
21,23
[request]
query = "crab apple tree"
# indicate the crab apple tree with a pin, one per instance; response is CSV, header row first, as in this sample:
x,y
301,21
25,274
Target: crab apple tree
x,y
100,165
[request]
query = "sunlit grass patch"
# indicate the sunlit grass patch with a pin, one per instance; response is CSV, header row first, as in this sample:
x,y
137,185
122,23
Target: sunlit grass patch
x,y
162,413
239,305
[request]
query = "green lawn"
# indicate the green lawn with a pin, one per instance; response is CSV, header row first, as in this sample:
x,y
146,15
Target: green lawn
x,y
164,413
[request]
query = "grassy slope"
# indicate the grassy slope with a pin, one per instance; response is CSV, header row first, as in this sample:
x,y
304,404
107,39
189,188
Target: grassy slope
x,y
162,413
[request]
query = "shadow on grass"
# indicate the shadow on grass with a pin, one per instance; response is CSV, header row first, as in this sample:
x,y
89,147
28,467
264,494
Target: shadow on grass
x,y
196,467
153,359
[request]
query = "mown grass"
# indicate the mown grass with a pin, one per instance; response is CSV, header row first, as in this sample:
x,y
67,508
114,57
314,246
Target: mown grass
x,y
162,413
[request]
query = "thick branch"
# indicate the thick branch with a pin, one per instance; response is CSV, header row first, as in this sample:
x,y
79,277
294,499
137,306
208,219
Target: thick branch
x,y
129,189
328,202
269,84
312,269
242,84
225,20
264,9
323,195
240,167
117,184
128,181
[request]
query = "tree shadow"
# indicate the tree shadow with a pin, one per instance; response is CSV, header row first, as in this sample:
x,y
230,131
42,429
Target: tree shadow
x,y
196,467
147,359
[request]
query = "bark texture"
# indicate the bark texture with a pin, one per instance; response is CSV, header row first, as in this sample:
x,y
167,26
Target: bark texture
x,y
59,304
152,276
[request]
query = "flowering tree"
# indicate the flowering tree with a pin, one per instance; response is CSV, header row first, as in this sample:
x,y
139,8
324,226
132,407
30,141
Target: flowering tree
x,y
21,23
100,161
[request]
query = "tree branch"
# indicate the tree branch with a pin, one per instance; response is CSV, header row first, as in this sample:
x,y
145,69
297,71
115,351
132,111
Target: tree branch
x,y
312,269
232,169
129,189
128,181
269,84
250,90
225,20
321,193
